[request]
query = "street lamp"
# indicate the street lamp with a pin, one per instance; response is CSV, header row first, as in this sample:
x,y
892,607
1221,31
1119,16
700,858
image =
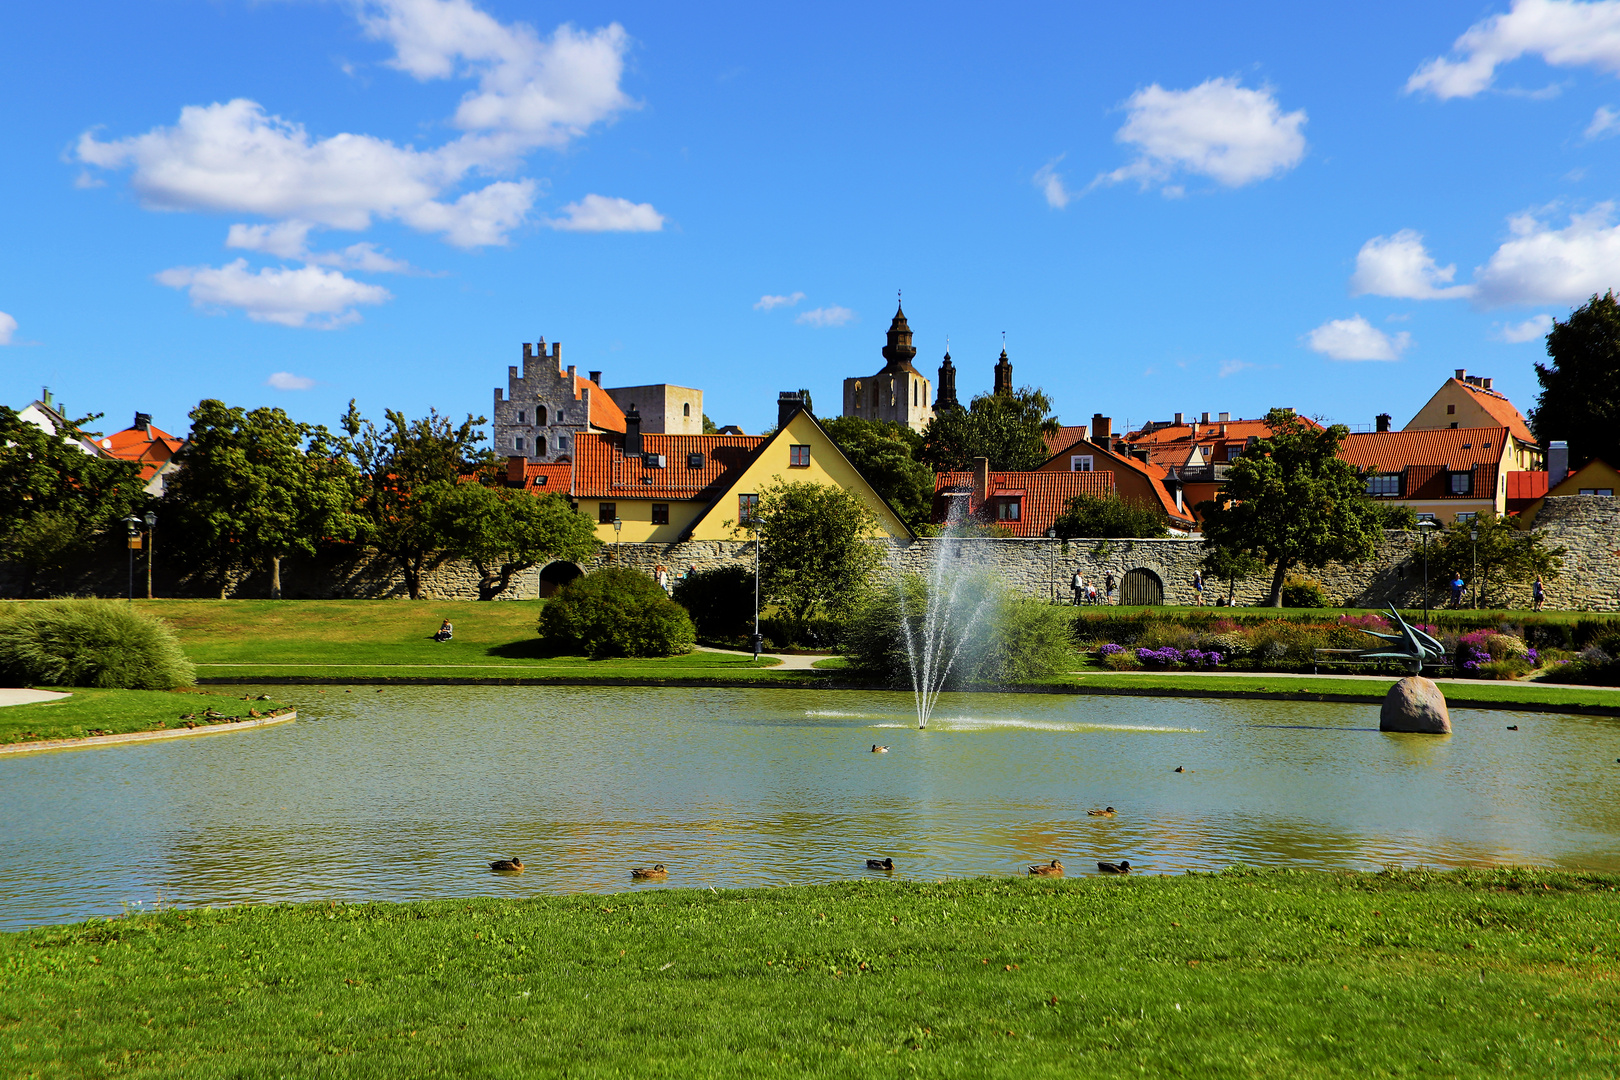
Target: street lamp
x,y
618,524
1425,526
757,640
151,547
133,524
1051,563
1473,537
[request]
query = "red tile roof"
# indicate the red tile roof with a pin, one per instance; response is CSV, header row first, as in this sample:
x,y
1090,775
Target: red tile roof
x,y
1044,495
1064,436
601,470
1500,409
1456,448
151,446
605,413
1152,473
1238,430
540,477
1524,488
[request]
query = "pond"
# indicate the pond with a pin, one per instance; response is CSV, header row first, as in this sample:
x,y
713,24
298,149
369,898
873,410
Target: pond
x,y
409,793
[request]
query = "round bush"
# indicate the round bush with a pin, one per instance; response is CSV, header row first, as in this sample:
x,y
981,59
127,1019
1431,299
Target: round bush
x,y
615,612
720,601
93,643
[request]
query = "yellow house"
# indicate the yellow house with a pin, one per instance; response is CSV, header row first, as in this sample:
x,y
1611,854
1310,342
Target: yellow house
x,y
663,489
1596,477
1467,401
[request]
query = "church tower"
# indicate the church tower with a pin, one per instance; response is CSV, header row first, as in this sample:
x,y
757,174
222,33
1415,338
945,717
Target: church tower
x,y
1004,385
898,392
945,400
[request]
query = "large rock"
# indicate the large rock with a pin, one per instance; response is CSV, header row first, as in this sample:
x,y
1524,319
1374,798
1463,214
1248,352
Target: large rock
x,y
1415,704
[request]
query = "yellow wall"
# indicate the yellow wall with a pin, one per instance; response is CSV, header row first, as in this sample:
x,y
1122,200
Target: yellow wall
x,y
1470,413
636,518
1594,474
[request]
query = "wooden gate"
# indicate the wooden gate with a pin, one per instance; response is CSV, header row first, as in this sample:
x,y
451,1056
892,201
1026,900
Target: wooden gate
x,y
1139,587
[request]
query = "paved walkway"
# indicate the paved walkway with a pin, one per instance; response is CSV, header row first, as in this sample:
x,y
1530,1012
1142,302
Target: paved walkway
x,y
1371,678
790,661
16,696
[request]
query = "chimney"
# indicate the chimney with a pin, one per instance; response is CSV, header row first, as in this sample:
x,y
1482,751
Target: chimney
x,y
1223,425
981,481
1462,374
1206,418
788,402
515,470
1485,384
1179,419
1226,417
632,433
1194,426
1557,462
596,377
143,421
1101,426
1382,421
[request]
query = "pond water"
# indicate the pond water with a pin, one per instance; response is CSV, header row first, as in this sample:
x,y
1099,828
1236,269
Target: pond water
x,y
408,794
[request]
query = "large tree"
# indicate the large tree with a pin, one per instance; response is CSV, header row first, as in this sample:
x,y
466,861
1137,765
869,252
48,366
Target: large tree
x,y
55,498
885,453
1109,517
1580,389
1491,553
252,488
817,556
1006,428
1291,501
504,532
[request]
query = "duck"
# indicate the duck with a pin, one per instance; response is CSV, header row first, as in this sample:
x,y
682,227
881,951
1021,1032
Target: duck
x,y
1051,869
1513,727
657,872
1182,768
1107,811
507,866
880,864
876,749
1121,867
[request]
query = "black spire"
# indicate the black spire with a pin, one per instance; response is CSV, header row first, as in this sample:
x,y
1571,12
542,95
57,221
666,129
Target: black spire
x,y
945,391
899,352
1004,375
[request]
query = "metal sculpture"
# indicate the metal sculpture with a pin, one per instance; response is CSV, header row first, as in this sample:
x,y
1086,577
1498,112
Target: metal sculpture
x,y
1414,644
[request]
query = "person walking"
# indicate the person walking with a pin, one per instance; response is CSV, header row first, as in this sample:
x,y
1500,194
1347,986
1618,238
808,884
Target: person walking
x,y
661,575
1457,586
1538,594
1078,586
1108,587
1198,586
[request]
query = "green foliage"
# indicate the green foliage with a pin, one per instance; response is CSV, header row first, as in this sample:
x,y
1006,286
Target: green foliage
x,y
1290,501
504,532
57,498
1303,592
615,612
1109,517
817,556
99,643
1505,555
1580,389
91,711
1391,515
709,426
1006,428
720,601
885,453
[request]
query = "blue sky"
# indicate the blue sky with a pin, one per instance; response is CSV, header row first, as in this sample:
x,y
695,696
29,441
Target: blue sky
x,y
1175,207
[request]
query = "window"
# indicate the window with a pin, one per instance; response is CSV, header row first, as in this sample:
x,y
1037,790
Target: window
x,y
1233,453
1454,424
686,409
799,457
660,513
605,513
1007,509
517,444
540,446
562,444
1080,462
1607,493
1384,484
1425,517
1462,483
916,390
857,397
694,461
747,509
540,415
1468,516
1450,409
520,416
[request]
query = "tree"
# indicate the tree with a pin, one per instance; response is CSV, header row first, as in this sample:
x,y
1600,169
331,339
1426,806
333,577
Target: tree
x,y
54,497
1109,517
815,555
1223,563
408,469
1503,555
1006,428
709,427
1291,501
503,533
885,453
1580,392
252,488
615,611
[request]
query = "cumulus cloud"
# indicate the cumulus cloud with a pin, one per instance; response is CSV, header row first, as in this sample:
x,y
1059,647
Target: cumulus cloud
x,y
766,303
1537,326
289,240
1605,122
832,315
1401,267
1219,129
1564,33
286,380
1050,181
277,294
600,213
8,327
1357,339
1543,265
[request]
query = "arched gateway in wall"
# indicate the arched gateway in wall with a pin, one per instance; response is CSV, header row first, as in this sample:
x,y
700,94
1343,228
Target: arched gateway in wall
x,y
553,576
1140,587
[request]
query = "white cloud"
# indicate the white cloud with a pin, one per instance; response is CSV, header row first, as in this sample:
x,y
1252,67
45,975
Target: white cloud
x,y
1605,122
1401,267
1232,367
1218,129
1543,265
1050,181
277,295
1537,326
600,213
1564,33
8,326
766,303
289,240
833,315
286,380
1357,339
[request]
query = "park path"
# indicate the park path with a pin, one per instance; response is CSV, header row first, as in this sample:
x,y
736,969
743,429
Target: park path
x,y
19,696
790,661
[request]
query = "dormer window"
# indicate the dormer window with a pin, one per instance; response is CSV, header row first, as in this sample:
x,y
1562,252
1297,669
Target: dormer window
x,y
1009,509
1462,483
1080,462
1385,484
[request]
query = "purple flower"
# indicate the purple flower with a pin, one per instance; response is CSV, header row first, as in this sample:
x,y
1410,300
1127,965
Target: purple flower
x,y
1533,656
1164,657
1110,649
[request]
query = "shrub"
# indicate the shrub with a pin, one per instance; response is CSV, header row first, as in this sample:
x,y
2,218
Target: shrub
x,y
99,643
1122,661
720,601
1303,592
615,612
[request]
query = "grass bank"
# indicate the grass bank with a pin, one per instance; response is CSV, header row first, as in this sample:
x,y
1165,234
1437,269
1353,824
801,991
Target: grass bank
x,y
115,712
1239,974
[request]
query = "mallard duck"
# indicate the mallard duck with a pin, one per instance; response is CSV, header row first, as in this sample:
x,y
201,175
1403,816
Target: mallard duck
x,y
507,866
1107,811
1051,869
1121,867
880,864
876,749
655,874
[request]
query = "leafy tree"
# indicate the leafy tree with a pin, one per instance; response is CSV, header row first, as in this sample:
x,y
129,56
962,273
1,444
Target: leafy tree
x,y
615,611
1505,555
1394,515
1006,428
885,453
720,601
1229,565
1109,517
709,426
816,556
55,498
408,470
1292,502
1580,390
504,532
254,487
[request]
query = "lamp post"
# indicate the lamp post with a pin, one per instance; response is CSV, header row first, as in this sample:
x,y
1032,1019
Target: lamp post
x,y
151,548
757,640
618,524
1473,537
1051,564
133,525
1425,526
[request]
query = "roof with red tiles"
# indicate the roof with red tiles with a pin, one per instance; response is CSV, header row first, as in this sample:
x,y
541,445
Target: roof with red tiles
x,y
1501,410
605,413
1154,474
602,471
151,446
1067,435
540,477
1043,495
1241,430
1455,448
1526,485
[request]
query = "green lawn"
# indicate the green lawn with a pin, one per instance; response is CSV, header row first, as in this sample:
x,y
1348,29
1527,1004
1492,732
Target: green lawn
x,y
114,712
1281,974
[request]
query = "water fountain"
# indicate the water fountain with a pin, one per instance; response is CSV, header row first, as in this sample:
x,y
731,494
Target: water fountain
x,y
947,620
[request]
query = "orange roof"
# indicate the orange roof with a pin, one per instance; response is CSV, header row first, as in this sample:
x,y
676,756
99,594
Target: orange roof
x,y
1067,435
540,477
1500,409
1241,430
151,446
1455,448
1152,472
1043,495
605,413
602,471
1526,485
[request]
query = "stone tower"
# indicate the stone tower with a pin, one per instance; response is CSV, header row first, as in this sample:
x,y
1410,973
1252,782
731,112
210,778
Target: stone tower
x,y
945,400
898,392
1004,385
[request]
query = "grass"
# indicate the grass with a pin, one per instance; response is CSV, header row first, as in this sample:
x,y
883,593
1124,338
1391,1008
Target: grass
x,y
1437,613
114,712
1282,974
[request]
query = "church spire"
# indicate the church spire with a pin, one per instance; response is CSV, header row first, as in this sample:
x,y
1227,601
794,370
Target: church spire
x,y
899,351
1004,385
945,391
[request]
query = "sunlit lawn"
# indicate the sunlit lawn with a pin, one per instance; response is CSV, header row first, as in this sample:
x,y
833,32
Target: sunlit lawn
x,y
114,712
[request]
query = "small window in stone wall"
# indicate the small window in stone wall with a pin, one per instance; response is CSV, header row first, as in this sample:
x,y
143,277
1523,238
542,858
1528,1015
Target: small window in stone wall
x,y
605,513
686,409
540,415
517,443
660,513
520,416
540,445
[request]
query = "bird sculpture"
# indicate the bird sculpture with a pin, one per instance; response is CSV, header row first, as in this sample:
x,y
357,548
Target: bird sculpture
x,y
507,866
876,749
880,864
1107,811
1051,869
657,873
1410,644
1121,867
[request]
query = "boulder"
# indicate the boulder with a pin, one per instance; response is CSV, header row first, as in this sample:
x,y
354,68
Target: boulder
x,y
1415,704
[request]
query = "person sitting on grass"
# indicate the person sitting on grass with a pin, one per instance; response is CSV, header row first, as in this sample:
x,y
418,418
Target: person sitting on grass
x,y
446,631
